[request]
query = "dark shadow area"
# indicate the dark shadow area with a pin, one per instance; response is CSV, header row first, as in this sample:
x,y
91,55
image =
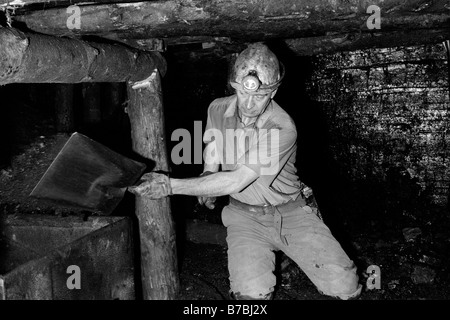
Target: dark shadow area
x,y
26,114
3,19
192,82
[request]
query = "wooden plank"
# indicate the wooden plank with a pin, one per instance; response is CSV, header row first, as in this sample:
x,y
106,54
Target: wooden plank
x,y
105,258
39,220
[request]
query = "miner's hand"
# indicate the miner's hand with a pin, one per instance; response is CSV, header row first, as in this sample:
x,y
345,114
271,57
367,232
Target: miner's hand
x,y
153,186
209,202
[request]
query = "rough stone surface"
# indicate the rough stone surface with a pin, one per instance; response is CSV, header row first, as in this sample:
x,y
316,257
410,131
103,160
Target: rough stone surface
x,y
388,108
423,275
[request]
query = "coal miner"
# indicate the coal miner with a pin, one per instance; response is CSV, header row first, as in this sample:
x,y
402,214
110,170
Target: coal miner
x,y
250,155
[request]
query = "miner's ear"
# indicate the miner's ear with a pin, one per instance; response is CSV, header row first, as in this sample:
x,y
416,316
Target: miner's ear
x,y
273,93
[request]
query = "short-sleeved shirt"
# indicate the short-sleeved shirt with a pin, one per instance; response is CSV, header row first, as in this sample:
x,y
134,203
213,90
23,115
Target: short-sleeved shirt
x,y
268,147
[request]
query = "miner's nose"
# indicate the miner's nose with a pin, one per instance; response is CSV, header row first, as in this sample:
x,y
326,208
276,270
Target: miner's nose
x,y
249,102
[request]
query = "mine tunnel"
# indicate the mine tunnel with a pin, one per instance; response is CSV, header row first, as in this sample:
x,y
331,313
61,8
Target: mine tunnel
x,y
370,105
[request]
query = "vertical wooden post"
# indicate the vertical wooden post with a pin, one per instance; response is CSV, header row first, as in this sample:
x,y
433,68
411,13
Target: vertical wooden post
x,y
156,226
447,47
64,107
114,99
91,103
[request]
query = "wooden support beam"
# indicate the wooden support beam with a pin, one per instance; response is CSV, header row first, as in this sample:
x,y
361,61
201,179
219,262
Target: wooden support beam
x,y
115,96
34,58
157,232
92,113
53,3
65,120
141,44
309,26
352,41
233,18
309,46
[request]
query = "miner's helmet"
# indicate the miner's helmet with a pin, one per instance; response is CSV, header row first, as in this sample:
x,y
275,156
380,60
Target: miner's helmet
x,y
257,70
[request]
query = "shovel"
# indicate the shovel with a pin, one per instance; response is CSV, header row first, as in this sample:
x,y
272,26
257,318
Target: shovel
x,y
85,174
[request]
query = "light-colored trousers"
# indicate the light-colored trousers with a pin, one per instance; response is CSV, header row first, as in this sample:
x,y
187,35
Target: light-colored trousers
x,y
252,240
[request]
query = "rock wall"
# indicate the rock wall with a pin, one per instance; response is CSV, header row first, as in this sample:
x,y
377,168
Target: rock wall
x,y
388,116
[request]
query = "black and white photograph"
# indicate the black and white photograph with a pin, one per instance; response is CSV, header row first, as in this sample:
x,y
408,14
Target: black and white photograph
x,y
202,152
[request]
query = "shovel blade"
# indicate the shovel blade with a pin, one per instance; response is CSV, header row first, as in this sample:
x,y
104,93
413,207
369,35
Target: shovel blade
x,y
87,175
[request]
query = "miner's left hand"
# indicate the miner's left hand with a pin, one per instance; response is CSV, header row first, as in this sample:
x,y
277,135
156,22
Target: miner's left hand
x,y
153,186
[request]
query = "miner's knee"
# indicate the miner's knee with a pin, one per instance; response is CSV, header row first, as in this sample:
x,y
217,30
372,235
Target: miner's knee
x,y
345,286
352,292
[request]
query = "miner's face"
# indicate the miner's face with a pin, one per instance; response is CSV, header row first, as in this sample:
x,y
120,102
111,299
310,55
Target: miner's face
x,y
251,105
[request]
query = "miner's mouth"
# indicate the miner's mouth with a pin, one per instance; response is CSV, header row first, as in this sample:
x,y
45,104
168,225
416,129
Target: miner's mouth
x,y
247,112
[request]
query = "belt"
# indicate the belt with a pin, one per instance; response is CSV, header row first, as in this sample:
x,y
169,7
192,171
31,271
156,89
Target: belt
x,y
269,209
275,211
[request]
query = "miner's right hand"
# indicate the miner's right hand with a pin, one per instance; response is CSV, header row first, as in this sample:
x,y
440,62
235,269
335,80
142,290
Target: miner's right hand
x,y
152,185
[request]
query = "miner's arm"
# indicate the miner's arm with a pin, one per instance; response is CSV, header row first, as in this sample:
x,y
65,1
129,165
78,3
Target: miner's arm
x,y
211,158
216,184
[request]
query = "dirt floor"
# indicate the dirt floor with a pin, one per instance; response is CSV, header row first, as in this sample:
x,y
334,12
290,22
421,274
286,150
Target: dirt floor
x,y
412,257
410,248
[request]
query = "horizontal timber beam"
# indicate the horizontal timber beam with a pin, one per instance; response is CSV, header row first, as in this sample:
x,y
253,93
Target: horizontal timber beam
x,y
35,58
237,18
361,41
325,25
17,4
